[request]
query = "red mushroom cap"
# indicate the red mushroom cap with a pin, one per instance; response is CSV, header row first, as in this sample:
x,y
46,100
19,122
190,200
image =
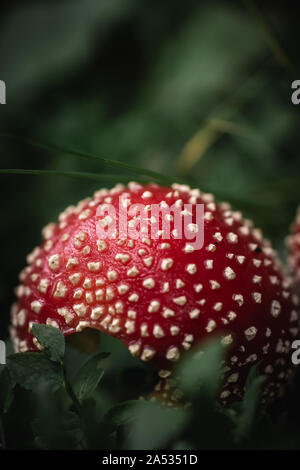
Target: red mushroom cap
x,y
160,296
293,244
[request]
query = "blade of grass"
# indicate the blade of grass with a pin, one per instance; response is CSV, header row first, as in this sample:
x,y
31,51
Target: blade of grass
x,y
204,139
70,174
112,163
219,121
272,41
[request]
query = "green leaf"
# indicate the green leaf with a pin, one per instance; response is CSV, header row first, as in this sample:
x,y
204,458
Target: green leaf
x,y
121,414
89,376
252,375
149,425
6,390
53,431
56,426
155,426
52,340
247,418
200,373
33,370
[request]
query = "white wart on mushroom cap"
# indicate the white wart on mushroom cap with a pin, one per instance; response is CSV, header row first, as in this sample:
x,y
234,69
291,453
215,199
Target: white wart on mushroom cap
x,y
293,245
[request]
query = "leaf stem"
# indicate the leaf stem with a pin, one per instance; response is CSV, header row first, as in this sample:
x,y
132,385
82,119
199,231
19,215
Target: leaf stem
x,y
75,401
70,391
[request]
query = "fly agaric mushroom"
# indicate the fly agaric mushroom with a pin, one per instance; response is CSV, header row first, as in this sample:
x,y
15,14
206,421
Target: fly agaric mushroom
x,y
293,244
160,295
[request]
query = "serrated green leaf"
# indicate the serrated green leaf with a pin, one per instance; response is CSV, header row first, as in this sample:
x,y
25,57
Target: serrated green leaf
x,y
6,390
52,340
89,376
32,370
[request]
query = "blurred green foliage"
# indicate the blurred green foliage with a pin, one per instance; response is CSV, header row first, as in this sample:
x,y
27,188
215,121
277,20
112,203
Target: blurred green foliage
x,y
83,410
135,81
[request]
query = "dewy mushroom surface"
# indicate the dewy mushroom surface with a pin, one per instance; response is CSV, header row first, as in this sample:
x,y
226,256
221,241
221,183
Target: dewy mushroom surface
x,y
159,296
